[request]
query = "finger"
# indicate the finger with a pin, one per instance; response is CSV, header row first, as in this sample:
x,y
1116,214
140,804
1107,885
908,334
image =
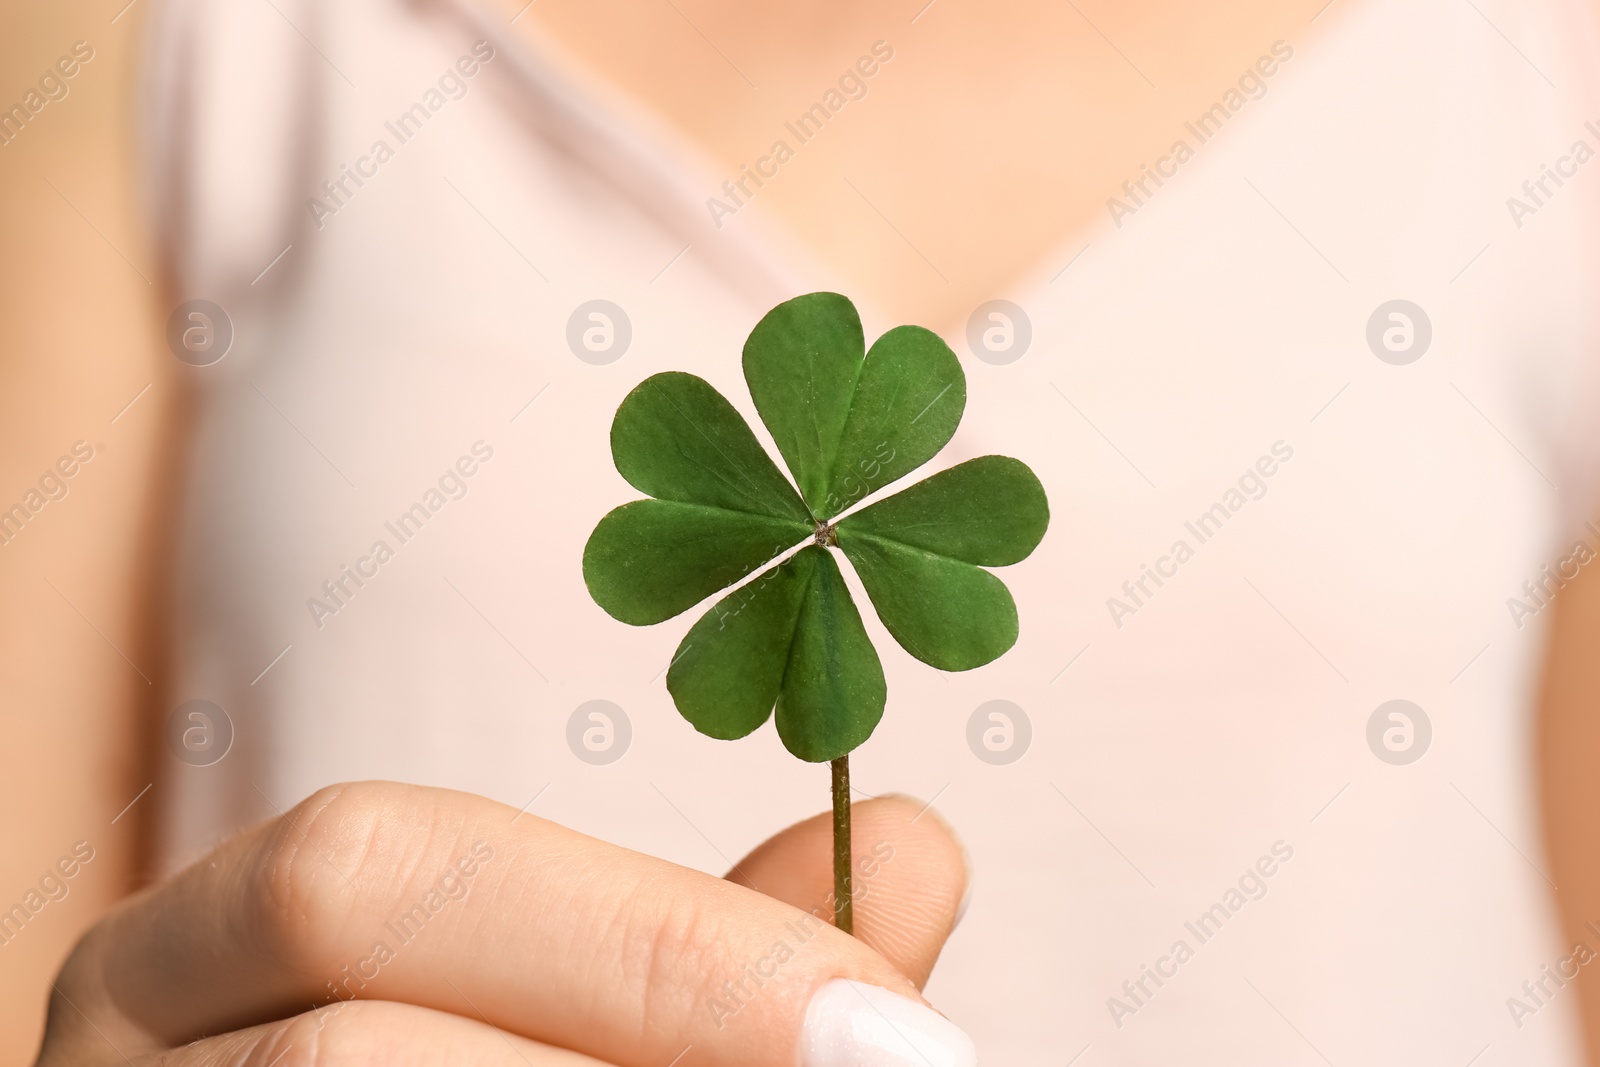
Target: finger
x,y
365,1032
909,872
449,901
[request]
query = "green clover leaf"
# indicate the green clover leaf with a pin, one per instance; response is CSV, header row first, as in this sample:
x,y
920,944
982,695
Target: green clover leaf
x,y
847,421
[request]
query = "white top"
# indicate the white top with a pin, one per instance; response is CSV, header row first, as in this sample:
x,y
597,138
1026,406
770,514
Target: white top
x,y
1213,722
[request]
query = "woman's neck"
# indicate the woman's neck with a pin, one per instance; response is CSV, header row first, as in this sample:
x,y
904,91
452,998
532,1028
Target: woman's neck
x,y
983,140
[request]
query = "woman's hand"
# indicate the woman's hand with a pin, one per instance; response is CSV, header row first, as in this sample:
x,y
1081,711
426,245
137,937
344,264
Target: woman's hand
x,y
393,925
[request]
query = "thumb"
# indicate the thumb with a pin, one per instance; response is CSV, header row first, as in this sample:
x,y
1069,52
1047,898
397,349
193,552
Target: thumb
x,y
910,877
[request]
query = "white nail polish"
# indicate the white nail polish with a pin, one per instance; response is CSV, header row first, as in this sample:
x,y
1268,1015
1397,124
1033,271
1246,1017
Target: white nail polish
x,y
852,1024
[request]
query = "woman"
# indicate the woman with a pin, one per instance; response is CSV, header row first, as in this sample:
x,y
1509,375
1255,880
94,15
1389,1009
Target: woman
x,y
1295,328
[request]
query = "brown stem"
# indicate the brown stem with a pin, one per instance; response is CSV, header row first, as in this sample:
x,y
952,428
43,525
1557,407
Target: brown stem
x,y
843,910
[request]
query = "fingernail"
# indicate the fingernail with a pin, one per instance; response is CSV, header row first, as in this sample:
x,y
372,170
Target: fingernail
x,y
966,899
852,1024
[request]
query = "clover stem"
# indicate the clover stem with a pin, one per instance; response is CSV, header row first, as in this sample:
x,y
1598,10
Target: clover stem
x,y
843,909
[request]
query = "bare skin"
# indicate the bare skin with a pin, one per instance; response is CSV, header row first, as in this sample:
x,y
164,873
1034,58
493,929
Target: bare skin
x,y
991,139
544,947
933,193
1569,788
79,341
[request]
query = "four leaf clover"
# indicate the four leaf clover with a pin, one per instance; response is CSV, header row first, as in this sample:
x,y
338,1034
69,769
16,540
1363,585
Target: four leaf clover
x,y
847,422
